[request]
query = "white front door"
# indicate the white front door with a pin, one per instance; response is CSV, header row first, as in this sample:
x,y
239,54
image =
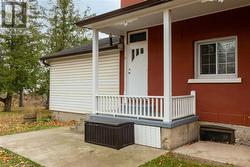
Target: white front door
x,y
137,69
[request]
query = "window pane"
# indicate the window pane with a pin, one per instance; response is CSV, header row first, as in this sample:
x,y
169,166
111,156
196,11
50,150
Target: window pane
x,y
138,37
137,52
222,58
142,50
208,58
231,68
226,55
222,68
133,54
231,57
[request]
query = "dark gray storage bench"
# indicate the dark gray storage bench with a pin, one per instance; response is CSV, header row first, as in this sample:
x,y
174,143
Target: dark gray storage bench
x,y
113,133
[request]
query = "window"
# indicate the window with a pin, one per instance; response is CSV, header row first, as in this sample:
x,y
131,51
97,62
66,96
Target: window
x,y
138,37
216,58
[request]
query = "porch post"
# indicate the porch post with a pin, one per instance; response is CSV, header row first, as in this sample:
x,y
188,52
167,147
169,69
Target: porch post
x,y
167,66
95,55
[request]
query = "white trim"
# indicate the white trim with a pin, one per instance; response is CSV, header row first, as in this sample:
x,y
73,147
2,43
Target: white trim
x,y
225,80
197,59
125,63
95,52
167,45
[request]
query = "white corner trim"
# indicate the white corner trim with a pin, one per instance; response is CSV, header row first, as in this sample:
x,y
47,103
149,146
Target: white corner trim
x,y
221,80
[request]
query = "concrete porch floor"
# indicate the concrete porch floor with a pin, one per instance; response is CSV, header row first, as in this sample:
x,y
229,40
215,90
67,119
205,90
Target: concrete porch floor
x,y
60,147
238,155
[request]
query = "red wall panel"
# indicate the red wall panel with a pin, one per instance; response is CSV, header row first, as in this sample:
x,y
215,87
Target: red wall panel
x,y
224,103
155,61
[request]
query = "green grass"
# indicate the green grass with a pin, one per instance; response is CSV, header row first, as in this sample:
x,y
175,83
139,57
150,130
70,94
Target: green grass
x,y
8,159
173,160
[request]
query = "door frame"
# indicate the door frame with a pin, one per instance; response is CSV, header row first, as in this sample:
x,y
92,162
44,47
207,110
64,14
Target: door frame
x,y
126,47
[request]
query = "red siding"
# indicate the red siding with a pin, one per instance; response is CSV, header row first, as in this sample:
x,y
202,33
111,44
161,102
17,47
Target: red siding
x,y
121,72
225,103
155,61
125,3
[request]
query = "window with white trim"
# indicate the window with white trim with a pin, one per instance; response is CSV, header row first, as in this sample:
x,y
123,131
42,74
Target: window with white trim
x,y
216,58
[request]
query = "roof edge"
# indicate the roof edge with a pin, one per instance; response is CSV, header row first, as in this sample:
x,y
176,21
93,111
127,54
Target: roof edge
x,y
121,11
76,53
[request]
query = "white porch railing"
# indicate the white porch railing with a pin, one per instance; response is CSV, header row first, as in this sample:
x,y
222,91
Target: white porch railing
x,y
149,107
183,106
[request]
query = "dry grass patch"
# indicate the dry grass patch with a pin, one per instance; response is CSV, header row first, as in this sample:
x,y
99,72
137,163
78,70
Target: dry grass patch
x,y
176,160
10,159
12,122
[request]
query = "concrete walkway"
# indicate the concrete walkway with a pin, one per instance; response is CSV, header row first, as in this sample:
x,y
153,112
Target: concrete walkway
x,y
233,154
62,148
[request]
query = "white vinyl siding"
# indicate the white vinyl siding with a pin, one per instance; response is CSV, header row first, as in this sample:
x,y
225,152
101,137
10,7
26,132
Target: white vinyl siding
x,y
71,82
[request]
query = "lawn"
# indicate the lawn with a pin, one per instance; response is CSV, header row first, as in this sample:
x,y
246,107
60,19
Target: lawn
x,y
12,122
8,159
174,160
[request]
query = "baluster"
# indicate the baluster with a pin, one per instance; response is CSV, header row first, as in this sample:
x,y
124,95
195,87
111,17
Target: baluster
x,y
140,111
133,106
119,104
188,103
173,107
144,106
129,105
161,107
148,109
98,103
157,114
178,106
152,107
125,105
136,107
103,105
116,104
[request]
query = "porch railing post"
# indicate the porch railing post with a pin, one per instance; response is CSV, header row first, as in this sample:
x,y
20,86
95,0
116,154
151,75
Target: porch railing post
x,y
167,45
194,101
95,55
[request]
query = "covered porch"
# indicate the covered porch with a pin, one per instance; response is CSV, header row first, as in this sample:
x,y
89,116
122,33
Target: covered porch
x,y
159,69
136,104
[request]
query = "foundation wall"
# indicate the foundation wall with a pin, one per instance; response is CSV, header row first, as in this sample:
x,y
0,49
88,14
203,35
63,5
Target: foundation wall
x,y
179,136
67,116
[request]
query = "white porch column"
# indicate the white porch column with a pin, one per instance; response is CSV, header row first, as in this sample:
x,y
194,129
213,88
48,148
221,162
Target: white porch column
x,y
95,55
167,66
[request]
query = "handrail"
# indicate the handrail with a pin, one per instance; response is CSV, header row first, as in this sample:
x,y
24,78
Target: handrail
x,y
149,107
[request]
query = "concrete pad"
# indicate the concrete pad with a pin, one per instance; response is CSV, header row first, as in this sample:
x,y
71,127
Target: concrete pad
x,y
60,147
232,154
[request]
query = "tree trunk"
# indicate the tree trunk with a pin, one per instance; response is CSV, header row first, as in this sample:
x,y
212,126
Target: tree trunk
x,y
21,100
47,102
8,102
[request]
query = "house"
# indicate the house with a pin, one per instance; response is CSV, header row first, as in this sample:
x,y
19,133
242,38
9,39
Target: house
x,y
184,63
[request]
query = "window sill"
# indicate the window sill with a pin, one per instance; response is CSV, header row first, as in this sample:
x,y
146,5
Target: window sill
x,y
224,80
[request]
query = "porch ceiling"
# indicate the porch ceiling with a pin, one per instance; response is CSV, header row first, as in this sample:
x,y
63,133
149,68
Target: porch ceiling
x,y
190,9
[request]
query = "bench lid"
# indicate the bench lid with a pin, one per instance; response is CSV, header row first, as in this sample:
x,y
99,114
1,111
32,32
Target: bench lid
x,y
113,122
